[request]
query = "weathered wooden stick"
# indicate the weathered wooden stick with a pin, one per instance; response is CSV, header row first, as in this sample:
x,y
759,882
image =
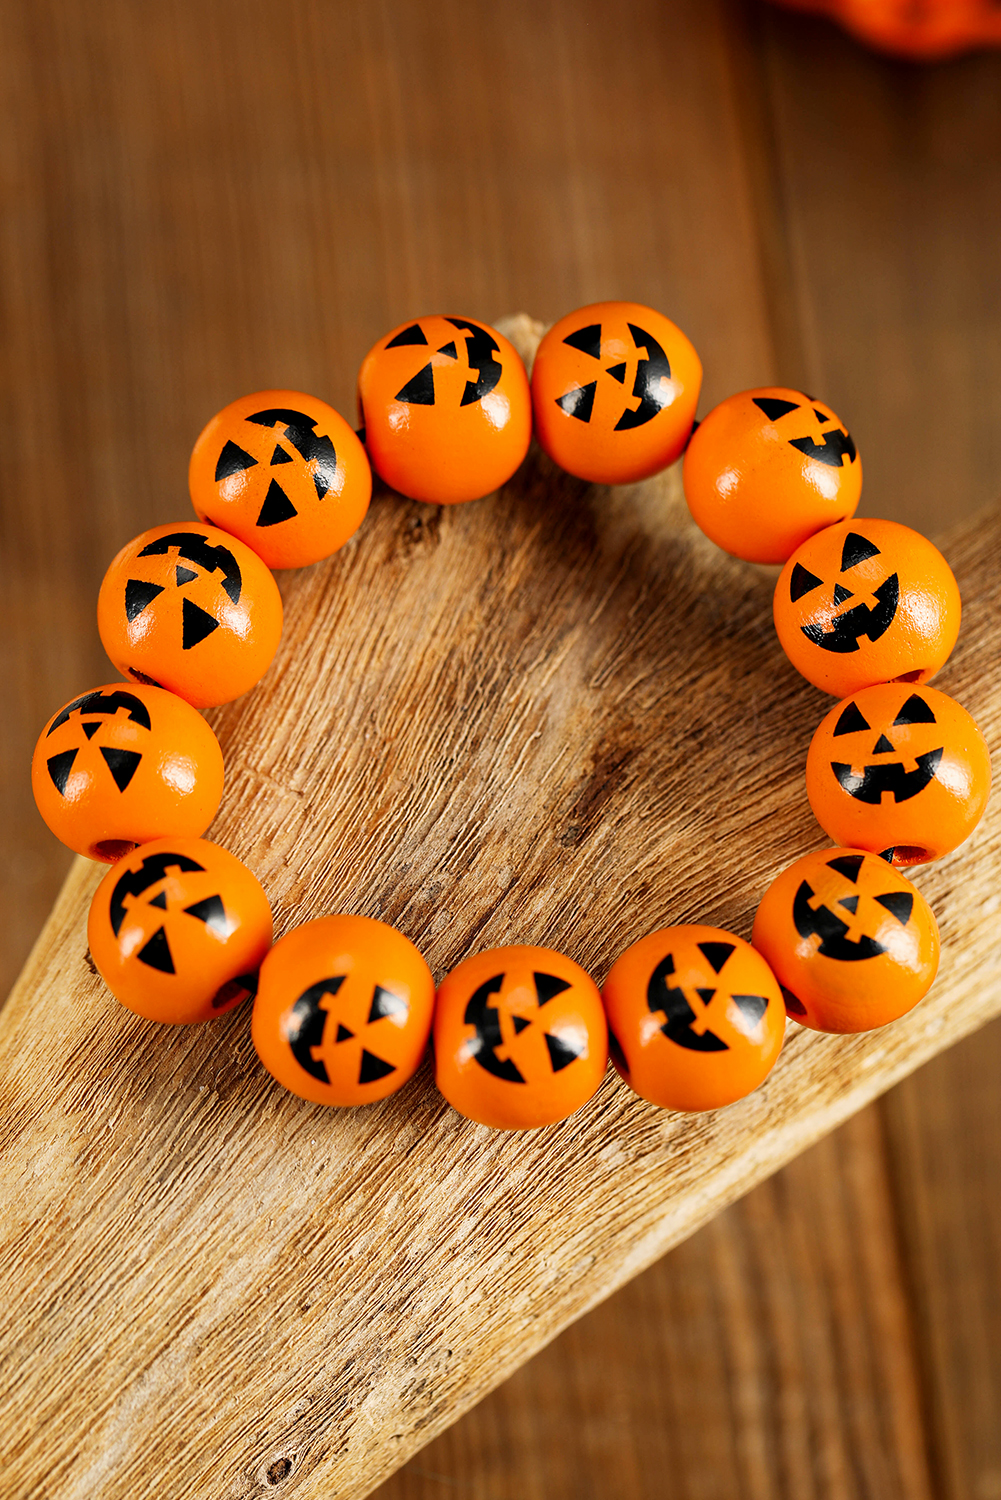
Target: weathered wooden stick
x,y
556,716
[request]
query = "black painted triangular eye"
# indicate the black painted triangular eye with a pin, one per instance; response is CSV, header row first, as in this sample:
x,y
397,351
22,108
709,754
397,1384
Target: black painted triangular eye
x,y
856,550
774,407
899,904
851,721
587,340
412,335
385,1003
915,711
847,864
547,986
716,953
802,581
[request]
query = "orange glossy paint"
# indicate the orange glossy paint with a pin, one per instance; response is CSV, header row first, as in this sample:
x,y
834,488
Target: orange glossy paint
x,y
190,608
283,472
343,1011
124,764
520,1037
852,942
866,602
766,469
901,768
178,929
695,1016
614,391
446,409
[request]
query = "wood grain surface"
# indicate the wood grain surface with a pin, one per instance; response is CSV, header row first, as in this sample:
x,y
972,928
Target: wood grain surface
x,y
202,200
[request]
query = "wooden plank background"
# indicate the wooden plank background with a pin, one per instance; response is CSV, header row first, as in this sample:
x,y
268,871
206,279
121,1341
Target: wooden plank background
x,y
202,199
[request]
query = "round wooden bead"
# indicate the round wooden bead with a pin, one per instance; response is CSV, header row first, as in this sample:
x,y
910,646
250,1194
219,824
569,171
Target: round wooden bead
x,y
768,468
695,1017
899,768
283,472
121,765
614,391
192,609
446,409
851,941
865,602
343,1011
520,1037
178,929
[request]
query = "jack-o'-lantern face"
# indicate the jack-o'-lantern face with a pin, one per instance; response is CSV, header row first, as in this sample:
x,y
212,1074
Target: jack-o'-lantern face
x,y
899,769
768,468
446,409
808,426
105,722
331,1029
178,930
285,473
343,1010
866,602
121,765
191,609
697,1017
520,1037
614,389
851,941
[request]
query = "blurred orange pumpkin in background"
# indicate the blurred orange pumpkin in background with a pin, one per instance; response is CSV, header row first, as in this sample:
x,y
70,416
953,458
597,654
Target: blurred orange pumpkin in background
x,y
925,30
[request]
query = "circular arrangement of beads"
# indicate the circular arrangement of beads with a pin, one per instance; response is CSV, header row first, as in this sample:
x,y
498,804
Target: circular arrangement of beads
x,y
693,1017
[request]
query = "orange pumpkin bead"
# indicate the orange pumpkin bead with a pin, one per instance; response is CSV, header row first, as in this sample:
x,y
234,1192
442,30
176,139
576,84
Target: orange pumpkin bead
x,y
926,31
192,609
695,1017
283,472
446,409
766,469
851,941
866,602
861,788
614,391
343,1011
520,1037
122,765
178,930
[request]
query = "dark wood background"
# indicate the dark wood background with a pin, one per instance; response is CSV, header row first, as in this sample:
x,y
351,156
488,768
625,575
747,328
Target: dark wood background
x,y
201,199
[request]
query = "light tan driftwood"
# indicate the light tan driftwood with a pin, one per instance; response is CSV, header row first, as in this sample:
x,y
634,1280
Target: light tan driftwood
x,y
556,716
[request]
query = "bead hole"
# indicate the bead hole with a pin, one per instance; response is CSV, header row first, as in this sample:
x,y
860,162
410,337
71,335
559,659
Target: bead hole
x,y
110,850
909,854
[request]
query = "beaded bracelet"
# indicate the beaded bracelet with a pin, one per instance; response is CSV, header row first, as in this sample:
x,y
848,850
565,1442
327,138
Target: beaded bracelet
x,y
693,1017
